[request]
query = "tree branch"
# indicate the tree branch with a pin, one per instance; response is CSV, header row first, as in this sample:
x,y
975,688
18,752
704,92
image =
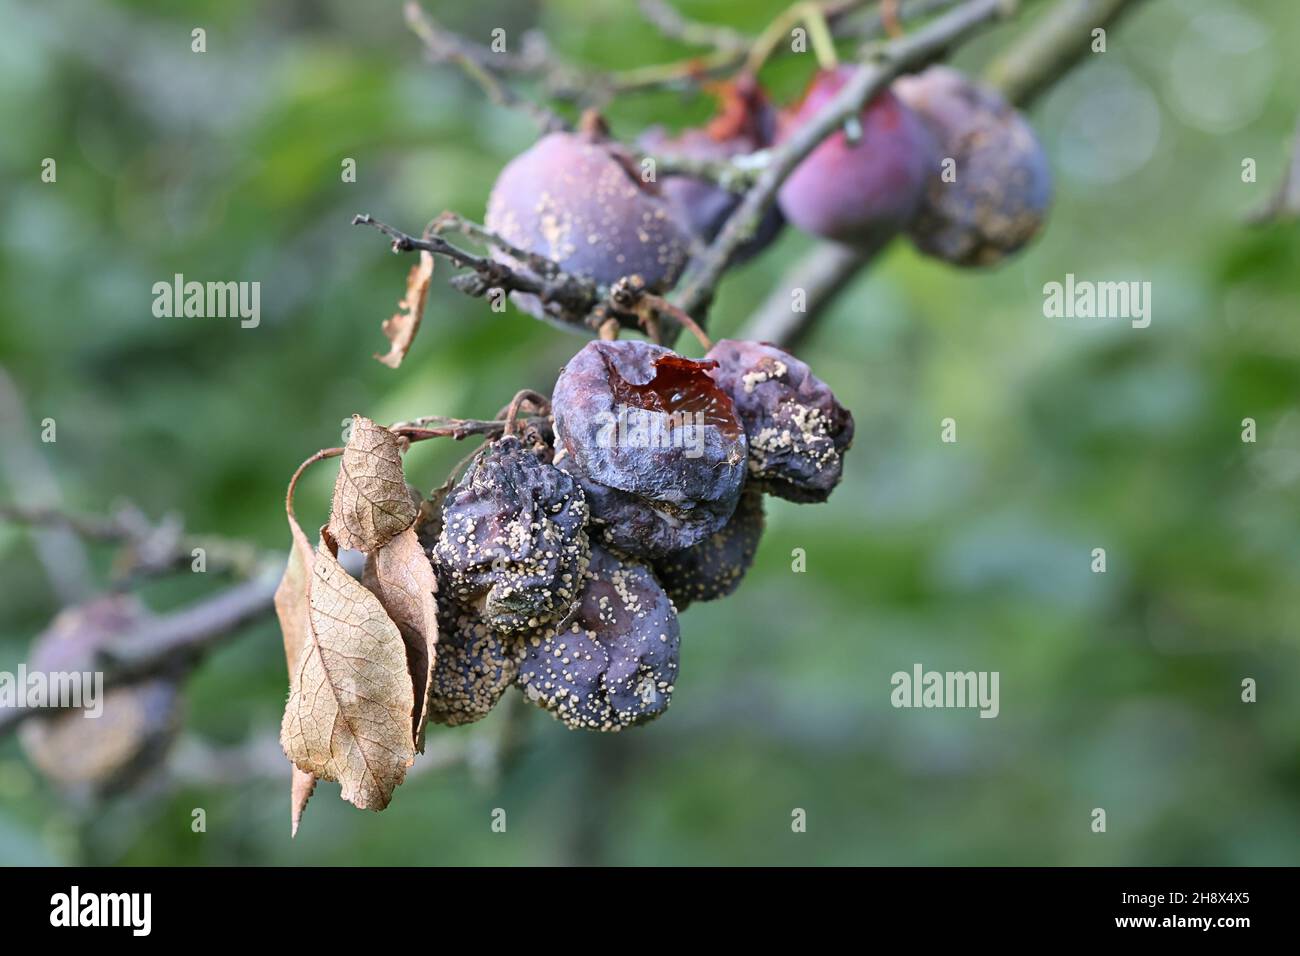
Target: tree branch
x,y
1051,47
1041,56
867,80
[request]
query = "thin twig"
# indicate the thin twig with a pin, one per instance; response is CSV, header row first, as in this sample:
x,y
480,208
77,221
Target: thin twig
x,y
669,21
154,548
575,295
1057,41
478,63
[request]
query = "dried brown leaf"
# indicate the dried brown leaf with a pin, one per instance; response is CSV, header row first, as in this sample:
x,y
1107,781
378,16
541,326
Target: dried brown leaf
x,y
291,608
301,785
371,501
349,712
401,328
401,576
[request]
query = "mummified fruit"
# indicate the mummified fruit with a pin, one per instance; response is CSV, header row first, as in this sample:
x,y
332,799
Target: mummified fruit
x,y
136,724
580,201
654,441
473,667
860,192
513,538
1002,186
745,124
797,431
714,567
614,664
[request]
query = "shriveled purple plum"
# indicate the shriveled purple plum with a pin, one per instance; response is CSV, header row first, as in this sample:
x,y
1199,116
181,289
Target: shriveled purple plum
x,y
797,431
614,664
655,443
715,567
1002,187
513,538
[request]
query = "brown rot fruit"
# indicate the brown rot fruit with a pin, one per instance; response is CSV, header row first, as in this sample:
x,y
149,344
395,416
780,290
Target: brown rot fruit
x,y
580,201
133,725
714,568
614,664
745,124
1002,187
654,441
473,667
513,539
797,432
861,191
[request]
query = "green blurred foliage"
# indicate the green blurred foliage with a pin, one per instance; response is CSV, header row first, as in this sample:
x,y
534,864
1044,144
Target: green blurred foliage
x,y
1118,691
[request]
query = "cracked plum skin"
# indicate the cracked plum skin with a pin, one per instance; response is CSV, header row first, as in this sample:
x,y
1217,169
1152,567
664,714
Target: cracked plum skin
x,y
714,567
1003,186
651,490
863,192
798,432
613,663
513,538
579,200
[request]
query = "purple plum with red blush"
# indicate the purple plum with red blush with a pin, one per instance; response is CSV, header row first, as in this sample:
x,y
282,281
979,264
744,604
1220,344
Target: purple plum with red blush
x,y
863,191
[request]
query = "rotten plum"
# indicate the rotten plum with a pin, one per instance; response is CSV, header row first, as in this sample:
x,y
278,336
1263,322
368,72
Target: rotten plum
x,y
614,663
714,567
474,664
797,431
513,537
655,443
863,191
1003,187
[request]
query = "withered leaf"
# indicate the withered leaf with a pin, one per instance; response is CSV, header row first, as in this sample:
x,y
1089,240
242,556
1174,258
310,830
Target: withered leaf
x,y
301,785
401,328
371,501
349,712
400,575
292,609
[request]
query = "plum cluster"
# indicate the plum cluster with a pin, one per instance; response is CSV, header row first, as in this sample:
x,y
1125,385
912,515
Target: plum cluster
x,y
563,558
935,156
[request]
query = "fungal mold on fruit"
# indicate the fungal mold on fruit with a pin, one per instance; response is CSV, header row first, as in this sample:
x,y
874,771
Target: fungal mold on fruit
x,y
797,430
654,441
614,663
579,200
473,667
1003,187
513,537
864,190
